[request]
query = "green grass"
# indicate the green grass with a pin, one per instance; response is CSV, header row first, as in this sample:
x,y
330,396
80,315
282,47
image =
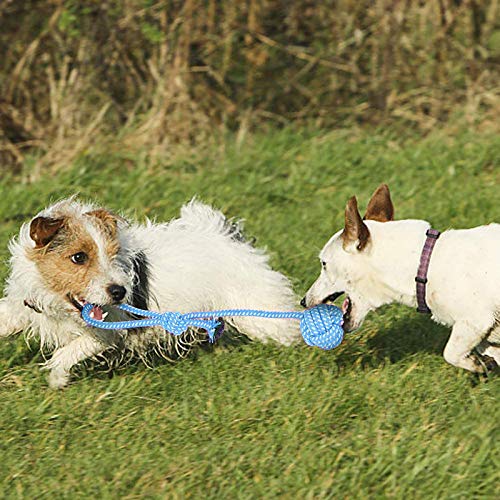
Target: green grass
x,y
381,416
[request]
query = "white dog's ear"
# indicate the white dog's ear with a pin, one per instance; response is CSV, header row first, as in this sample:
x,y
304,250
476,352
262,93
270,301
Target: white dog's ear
x,y
44,229
355,235
380,206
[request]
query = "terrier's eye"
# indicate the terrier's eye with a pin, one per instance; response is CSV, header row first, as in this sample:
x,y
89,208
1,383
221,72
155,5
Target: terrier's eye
x,y
323,264
79,258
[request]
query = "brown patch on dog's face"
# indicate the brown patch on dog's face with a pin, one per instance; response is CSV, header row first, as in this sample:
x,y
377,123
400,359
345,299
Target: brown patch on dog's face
x,y
70,261
380,207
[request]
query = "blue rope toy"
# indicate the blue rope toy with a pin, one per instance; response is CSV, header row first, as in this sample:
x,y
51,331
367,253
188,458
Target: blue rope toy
x,y
321,326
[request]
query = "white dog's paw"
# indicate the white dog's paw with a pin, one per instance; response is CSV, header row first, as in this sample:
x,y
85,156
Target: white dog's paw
x,y
493,352
58,379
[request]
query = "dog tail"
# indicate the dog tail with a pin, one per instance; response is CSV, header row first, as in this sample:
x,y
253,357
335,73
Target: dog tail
x,y
203,216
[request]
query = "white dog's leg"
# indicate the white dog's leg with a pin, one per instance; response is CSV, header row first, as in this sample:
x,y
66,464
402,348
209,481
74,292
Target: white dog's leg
x,y
13,318
69,355
460,344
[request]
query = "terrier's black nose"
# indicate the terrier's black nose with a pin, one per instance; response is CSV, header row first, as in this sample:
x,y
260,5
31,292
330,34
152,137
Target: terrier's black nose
x,y
303,302
117,292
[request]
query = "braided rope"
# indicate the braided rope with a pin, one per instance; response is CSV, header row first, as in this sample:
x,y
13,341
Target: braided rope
x,y
321,326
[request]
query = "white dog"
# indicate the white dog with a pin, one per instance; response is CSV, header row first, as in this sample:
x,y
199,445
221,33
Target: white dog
x,y
73,253
375,261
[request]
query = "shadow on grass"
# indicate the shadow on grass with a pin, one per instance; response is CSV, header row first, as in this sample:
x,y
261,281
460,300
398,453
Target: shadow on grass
x,y
109,364
397,340
409,336
378,343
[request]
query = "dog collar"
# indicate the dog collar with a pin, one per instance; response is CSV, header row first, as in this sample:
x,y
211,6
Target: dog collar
x,y
421,278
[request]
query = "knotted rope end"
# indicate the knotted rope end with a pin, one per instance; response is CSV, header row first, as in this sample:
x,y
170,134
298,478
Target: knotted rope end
x,y
321,326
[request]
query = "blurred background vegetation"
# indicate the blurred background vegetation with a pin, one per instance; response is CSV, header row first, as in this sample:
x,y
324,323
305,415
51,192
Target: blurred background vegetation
x,y
150,74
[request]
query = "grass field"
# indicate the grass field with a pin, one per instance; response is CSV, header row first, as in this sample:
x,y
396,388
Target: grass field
x,y
381,416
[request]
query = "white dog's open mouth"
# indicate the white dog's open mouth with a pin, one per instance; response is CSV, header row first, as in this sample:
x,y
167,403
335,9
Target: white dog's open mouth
x,y
346,306
96,311
346,310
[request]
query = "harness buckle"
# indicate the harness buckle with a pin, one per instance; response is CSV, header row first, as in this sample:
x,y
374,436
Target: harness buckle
x,y
432,233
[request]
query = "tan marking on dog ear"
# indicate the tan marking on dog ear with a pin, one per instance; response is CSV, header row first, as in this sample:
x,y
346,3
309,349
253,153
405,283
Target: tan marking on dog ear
x,y
108,219
380,207
44,229
355,229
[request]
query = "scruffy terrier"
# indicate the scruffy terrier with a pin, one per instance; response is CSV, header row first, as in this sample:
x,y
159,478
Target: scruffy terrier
x,y
74,253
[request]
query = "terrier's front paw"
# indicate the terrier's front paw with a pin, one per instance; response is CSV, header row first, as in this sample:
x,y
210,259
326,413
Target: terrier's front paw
x,y
58,379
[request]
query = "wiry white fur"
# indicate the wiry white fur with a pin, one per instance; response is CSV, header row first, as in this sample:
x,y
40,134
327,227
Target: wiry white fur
x,y
227,273
194,264
463,289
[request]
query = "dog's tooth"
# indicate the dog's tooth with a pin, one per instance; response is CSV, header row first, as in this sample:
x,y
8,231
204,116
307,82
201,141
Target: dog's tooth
x,y
91,314
104,315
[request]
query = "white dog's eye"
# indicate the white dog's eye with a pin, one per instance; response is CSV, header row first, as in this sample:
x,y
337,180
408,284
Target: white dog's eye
x,y
79,258
323,264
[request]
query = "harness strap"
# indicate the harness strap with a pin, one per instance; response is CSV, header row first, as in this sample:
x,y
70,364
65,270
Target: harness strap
x,y
421,278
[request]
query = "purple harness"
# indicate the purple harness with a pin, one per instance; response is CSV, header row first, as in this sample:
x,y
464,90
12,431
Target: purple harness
x,y
421,278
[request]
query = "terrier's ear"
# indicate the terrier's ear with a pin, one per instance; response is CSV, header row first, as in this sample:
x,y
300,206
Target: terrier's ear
x,y
380,206
44,229
107,219
355,234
